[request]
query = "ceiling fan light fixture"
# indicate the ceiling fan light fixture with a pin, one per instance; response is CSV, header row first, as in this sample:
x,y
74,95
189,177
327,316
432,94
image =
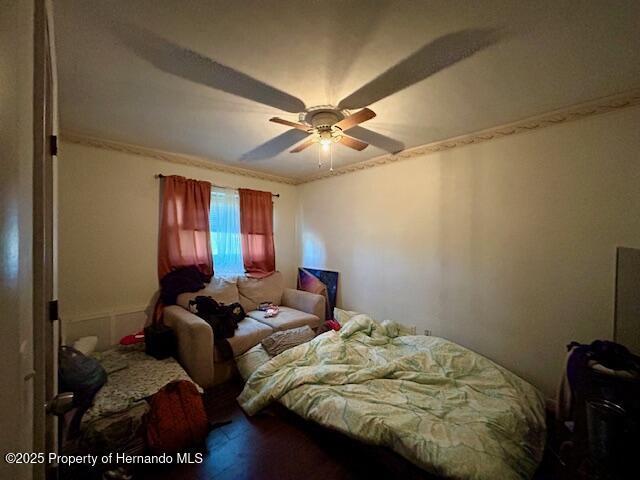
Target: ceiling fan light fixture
x,y
326,125
325,138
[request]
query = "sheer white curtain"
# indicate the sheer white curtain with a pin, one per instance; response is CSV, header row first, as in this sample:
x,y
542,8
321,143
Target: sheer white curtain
x,y
224,221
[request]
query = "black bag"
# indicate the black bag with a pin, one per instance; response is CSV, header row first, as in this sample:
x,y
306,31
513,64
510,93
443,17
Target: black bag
x,y
83,376
203,305
80,374
235,312
160,341
223,319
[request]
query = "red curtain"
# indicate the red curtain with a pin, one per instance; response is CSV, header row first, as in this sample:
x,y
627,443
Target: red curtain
x,y
256,227
184,227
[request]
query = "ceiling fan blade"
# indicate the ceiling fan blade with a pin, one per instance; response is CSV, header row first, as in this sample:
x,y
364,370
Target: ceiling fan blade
x,y
274,146
190,65
353,143
431,58
303,145
377,139
282,121
353,120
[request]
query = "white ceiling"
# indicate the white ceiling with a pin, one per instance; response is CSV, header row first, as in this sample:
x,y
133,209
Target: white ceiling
x,y
136,71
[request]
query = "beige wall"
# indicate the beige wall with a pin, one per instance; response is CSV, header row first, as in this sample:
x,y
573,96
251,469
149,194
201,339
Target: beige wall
x,y
108,230
16,220
506,247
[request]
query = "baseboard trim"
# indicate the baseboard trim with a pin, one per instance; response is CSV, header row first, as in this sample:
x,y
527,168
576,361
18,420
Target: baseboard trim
x,y
85,317
109,326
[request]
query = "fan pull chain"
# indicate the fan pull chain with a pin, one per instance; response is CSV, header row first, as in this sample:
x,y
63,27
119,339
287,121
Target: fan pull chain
x,y
331,158
319,156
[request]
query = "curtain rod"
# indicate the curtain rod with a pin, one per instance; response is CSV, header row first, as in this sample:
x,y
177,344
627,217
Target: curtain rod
x,y
160,175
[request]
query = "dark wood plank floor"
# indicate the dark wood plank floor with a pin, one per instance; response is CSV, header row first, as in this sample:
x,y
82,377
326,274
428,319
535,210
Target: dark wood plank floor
x,y
278,445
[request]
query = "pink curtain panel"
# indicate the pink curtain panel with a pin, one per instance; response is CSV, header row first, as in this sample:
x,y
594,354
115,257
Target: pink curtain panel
x,y
184,228
256,228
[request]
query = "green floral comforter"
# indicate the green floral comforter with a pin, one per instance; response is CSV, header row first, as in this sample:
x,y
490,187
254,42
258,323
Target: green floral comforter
x,y
443,407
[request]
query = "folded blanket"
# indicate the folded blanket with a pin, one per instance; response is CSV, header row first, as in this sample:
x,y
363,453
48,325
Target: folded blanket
x,y
278,342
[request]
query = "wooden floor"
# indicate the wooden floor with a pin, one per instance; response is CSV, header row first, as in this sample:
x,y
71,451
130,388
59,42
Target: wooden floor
x,y
277,445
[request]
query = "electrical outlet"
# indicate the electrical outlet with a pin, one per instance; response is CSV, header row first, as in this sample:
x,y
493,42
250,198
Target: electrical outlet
x,y
427,332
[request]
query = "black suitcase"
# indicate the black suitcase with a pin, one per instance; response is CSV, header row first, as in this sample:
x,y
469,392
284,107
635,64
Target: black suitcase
x,y
160,341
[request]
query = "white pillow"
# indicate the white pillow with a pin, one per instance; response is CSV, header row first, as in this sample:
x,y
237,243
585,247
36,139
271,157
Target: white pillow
x,y
343,316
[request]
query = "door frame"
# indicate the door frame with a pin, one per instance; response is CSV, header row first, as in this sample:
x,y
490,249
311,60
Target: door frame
x,y
45,322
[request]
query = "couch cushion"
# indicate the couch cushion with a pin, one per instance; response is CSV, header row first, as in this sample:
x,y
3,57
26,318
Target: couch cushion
x,y
221,289
287,318
254,291
249,333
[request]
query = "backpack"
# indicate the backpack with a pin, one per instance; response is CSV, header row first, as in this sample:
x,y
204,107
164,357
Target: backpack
x,y
177,419
80,374
83,376
222,318
235,312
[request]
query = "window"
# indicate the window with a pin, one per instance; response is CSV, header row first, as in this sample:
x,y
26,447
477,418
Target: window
x,y
224,221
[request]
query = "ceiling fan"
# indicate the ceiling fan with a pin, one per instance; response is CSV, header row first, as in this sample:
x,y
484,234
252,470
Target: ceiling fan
x,y
324,124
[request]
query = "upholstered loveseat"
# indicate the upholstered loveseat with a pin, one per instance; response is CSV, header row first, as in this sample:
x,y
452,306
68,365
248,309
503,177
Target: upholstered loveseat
x,y
196,351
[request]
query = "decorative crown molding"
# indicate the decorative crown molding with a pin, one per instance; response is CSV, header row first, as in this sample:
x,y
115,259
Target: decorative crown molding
x,y
610,103
181,159
576,112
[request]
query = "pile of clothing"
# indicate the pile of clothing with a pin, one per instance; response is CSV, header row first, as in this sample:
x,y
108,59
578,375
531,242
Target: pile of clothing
x,y
600,369
599,404
223,320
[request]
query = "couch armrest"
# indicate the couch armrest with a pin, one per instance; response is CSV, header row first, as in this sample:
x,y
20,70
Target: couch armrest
x,y
305,302
195,343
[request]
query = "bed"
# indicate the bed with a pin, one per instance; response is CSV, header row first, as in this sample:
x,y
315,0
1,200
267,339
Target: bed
x,y
441,406
116,419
